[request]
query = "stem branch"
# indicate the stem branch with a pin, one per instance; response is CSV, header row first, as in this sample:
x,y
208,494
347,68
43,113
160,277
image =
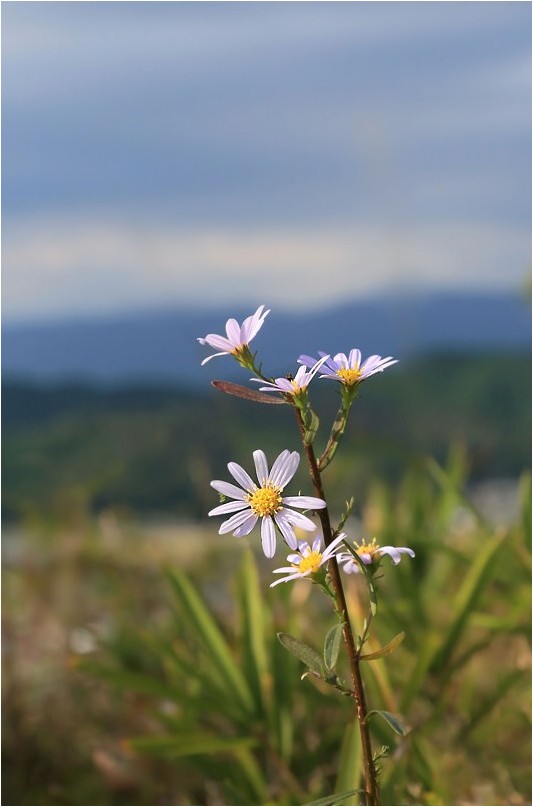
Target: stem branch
x,y
371,786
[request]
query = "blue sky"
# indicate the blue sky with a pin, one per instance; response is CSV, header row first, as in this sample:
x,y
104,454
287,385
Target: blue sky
x,y
297,154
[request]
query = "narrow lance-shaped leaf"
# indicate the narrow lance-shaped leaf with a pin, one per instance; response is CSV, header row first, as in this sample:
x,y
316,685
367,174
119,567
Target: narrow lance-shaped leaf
x,y
244,392
214,642
332,645
337,430
392,720
336,798
302,651
187,745
386,650
311,422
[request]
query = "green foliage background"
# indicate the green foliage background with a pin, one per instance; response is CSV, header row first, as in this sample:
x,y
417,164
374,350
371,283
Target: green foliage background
x,y
141,664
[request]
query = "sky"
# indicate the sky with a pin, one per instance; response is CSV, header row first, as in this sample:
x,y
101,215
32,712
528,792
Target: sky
x,y
295,154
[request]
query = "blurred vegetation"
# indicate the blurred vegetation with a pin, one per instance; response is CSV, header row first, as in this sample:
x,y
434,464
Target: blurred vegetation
x,y
155,450
141,665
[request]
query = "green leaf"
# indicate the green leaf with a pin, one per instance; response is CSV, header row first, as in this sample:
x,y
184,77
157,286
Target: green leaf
x,y
350,760
253,618
249,394
305,653
311,422
188,745
469,594
213,640
332,645
336,798
392,720
386,650
525,499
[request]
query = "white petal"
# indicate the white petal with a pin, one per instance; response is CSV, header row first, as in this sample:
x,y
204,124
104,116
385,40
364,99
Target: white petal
x,y
268,537
304,502
241,476
286,530
228,489
354,359
234,522
299,520
289,577
228,507
246,527
233,331
261,466
283,475
213,356
279,463
218,342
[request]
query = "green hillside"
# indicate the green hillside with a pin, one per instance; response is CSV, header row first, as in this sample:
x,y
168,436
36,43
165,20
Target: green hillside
x,y
154,450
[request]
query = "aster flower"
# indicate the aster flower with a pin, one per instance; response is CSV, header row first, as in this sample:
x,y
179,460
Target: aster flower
x,y
372,553
295,386
265,501
237,337
308,560
348,369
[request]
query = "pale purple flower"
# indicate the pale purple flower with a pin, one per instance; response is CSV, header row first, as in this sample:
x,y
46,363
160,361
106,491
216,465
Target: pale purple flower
x,y
372,553
251,501
237,336
348,369
308,560
296,385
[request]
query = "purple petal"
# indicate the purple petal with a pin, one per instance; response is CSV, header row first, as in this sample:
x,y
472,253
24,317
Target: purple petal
x,y
233,331
218,342
304,502
283,475
228,507
286,529
234,522
268,537
299,520
227,489
241,476
212,356
246,527
354,358
261,466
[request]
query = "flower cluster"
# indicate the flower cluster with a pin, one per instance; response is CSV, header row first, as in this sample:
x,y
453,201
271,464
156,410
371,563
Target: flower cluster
x,y
371,554
264,501
250,502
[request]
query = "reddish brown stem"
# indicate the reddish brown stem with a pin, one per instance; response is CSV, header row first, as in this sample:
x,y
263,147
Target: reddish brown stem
x,y
371,785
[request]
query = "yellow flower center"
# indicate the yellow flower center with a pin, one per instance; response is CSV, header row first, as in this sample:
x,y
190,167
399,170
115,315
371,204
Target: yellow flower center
x,y
367,549
311,563
349,377
265,501
296,389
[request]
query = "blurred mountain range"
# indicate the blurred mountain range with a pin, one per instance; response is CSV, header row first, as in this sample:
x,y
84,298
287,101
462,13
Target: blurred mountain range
x,y
161,346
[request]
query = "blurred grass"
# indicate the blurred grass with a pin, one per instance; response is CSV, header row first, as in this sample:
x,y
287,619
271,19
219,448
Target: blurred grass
x,y
141,665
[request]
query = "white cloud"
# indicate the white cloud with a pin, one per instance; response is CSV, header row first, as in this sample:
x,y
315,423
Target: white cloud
x,y
62,267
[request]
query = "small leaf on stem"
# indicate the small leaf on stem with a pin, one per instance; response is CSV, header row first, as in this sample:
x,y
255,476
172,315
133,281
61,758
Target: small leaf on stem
x,y
332,646
392,720
244,392
303,652
387,649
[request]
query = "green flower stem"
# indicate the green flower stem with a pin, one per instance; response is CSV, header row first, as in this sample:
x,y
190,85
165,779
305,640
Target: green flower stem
x,y
339,425
371,785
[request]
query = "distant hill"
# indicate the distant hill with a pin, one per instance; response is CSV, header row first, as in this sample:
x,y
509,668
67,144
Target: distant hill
x,y
155,449
161,346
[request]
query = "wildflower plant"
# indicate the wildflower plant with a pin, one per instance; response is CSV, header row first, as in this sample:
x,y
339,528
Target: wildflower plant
x,y
329,552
